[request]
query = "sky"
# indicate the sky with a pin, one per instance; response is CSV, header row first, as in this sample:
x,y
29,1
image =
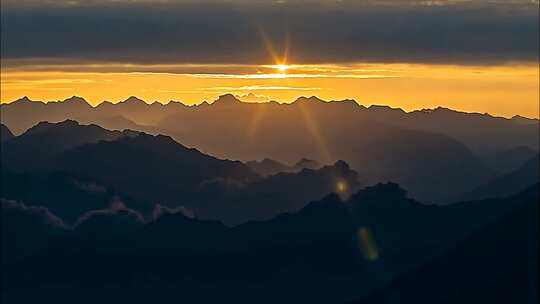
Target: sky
x,y
470,55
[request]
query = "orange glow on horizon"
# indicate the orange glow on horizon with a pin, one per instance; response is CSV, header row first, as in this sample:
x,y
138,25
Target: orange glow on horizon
x,y
499,90
282,67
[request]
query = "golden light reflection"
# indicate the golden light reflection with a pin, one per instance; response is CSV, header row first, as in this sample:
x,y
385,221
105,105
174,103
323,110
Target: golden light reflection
x,y
367,244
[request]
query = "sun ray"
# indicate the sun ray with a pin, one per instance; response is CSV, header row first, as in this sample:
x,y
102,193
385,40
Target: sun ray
x,y
316,133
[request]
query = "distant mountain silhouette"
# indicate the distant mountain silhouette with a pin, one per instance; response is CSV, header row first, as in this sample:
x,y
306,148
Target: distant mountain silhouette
x,y
510,159
437,154
40,145
268,166
151,168
265,198
510,183
497,264
344,248
120,163
327,131
24,113
137,110
117,123
524,120
5,133
482,133
306,164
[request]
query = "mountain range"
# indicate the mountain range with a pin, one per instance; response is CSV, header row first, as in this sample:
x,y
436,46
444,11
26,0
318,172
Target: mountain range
x,y
344,248
149,170
134,216
437,154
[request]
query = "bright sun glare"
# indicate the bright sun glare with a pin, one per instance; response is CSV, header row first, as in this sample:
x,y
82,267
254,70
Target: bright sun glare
x,y
281,67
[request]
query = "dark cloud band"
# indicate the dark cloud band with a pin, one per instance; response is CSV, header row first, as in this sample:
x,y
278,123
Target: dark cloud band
x,y
234,32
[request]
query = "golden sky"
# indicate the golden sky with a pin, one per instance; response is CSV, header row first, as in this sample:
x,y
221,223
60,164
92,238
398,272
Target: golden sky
x,y
499,90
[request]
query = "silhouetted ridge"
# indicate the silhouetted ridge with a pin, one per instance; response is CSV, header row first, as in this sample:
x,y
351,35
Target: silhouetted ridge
x,y
267,197
322,245
133,100
23,99
386,109
109,223
67,196
184,233
437,155
269,166
496,264
40,145
5,133
311,99
381,192
305,163
45,126
508,160
524,120
76,100
158,168
342,165
510,183
226,100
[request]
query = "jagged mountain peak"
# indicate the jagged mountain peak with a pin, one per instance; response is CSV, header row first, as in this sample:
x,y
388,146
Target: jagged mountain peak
x,y
24,100
45,125
227,99
385,108
133,100
76,100
304,99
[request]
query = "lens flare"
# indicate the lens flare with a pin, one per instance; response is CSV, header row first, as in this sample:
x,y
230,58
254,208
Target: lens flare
x,y
341,186
367,244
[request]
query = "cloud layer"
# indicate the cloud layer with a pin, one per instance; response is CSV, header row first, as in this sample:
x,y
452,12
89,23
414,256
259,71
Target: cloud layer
x,y
462,32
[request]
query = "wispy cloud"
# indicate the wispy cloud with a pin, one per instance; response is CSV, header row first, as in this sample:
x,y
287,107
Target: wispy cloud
x,y
261,88
281,76
46,81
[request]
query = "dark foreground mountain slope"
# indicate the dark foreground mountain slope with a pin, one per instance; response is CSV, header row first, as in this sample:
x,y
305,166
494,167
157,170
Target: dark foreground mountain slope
x,y
5,133
66,196
497,264
332,250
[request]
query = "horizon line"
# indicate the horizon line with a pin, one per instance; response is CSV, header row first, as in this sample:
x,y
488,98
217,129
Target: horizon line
x,y
237,97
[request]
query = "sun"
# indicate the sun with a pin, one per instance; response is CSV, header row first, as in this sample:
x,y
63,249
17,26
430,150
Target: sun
x,y
281,67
